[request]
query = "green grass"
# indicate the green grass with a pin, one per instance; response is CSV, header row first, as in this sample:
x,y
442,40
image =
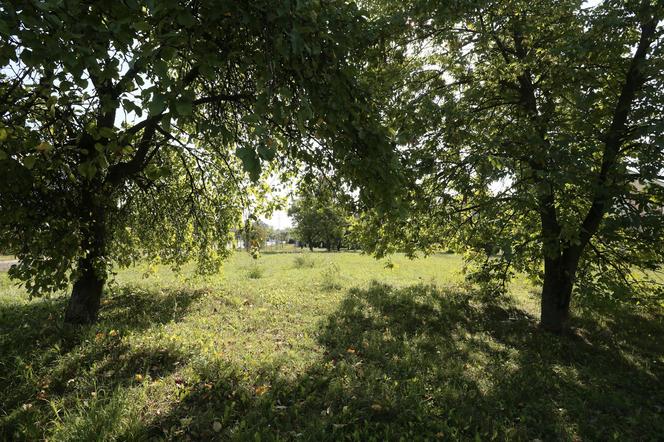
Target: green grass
x,y
347,349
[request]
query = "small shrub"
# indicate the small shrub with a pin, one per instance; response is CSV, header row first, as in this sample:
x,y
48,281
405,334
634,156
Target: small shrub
x,y
304,262
255,272
330,277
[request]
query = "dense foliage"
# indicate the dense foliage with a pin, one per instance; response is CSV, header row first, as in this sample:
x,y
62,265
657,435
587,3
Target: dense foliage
x,y
118,121
533,130
319,215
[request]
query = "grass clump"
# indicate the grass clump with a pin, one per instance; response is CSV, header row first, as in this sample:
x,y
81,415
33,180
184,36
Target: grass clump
x,y
331,277
255,272
305,261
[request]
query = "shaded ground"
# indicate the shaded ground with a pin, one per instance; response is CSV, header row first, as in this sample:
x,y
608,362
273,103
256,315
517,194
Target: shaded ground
x,y
421,364
284,359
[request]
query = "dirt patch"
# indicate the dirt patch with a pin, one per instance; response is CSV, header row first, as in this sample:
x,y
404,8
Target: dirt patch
x,y
5,265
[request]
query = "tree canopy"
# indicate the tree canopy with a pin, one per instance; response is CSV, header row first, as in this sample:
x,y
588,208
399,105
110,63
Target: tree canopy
x,y
319,215
120,124
527,134
533,133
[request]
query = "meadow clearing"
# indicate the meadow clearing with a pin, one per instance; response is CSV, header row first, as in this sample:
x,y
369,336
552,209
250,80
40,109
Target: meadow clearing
x,y
325,346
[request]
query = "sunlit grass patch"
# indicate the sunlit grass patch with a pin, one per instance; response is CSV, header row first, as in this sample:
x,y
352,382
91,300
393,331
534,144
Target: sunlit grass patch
x,y
406,352
304,261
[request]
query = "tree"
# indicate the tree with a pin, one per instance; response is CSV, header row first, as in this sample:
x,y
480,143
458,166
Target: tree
x,y
533,132
256,234
118,121
283,236
319,216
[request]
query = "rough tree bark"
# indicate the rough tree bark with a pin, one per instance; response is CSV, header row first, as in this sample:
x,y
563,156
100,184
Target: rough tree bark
x,y
559,275
83,306
85,300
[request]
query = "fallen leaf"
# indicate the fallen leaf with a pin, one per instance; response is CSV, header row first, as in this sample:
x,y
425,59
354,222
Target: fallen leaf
x,y
261,389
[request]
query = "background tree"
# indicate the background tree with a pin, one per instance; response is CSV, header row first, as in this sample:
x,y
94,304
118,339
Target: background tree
x,y
281,236
256,234
319,216
534,130
117,121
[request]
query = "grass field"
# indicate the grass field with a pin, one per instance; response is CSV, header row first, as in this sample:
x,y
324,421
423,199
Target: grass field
x,y
325,347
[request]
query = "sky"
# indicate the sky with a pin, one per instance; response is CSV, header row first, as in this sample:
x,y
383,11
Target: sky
x,y
280,220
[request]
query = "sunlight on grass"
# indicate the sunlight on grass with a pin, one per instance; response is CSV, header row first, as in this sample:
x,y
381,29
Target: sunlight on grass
x,y
347,348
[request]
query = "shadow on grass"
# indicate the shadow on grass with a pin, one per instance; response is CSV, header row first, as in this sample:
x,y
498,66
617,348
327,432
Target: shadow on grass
x,y
48,368
421,363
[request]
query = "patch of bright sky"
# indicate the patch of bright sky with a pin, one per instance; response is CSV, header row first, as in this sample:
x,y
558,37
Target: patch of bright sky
x,y
280,219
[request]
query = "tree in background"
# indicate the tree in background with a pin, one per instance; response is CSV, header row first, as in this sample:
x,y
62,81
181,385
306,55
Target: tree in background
x,y
533,129
319,216
118,121
256,234
281,236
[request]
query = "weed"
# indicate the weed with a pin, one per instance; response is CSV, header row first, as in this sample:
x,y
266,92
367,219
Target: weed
x,y
304,261
255,272
331,277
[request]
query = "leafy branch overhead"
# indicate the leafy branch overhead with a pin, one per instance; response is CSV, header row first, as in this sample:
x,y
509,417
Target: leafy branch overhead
x,y
534,132
127,127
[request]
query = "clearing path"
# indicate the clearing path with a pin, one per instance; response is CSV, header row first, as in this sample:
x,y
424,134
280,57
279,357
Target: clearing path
x,y
5,265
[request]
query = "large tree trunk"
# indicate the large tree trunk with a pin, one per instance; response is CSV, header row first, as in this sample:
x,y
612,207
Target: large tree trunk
x,y
559,276
85,299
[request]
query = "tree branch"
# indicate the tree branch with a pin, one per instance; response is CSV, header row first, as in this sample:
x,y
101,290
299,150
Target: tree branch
x,y
634,80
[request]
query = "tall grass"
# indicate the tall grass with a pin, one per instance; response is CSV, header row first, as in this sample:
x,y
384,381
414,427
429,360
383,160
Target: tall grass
x,y
304,261
255,271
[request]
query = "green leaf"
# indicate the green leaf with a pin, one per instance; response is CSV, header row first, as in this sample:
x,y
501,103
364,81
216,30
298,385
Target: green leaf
x,y
102,161
130,106
157,105
29,162
87,169
141,26
186,19
152,172
266,152
44,147
81,82
250,161
184,108
106,132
